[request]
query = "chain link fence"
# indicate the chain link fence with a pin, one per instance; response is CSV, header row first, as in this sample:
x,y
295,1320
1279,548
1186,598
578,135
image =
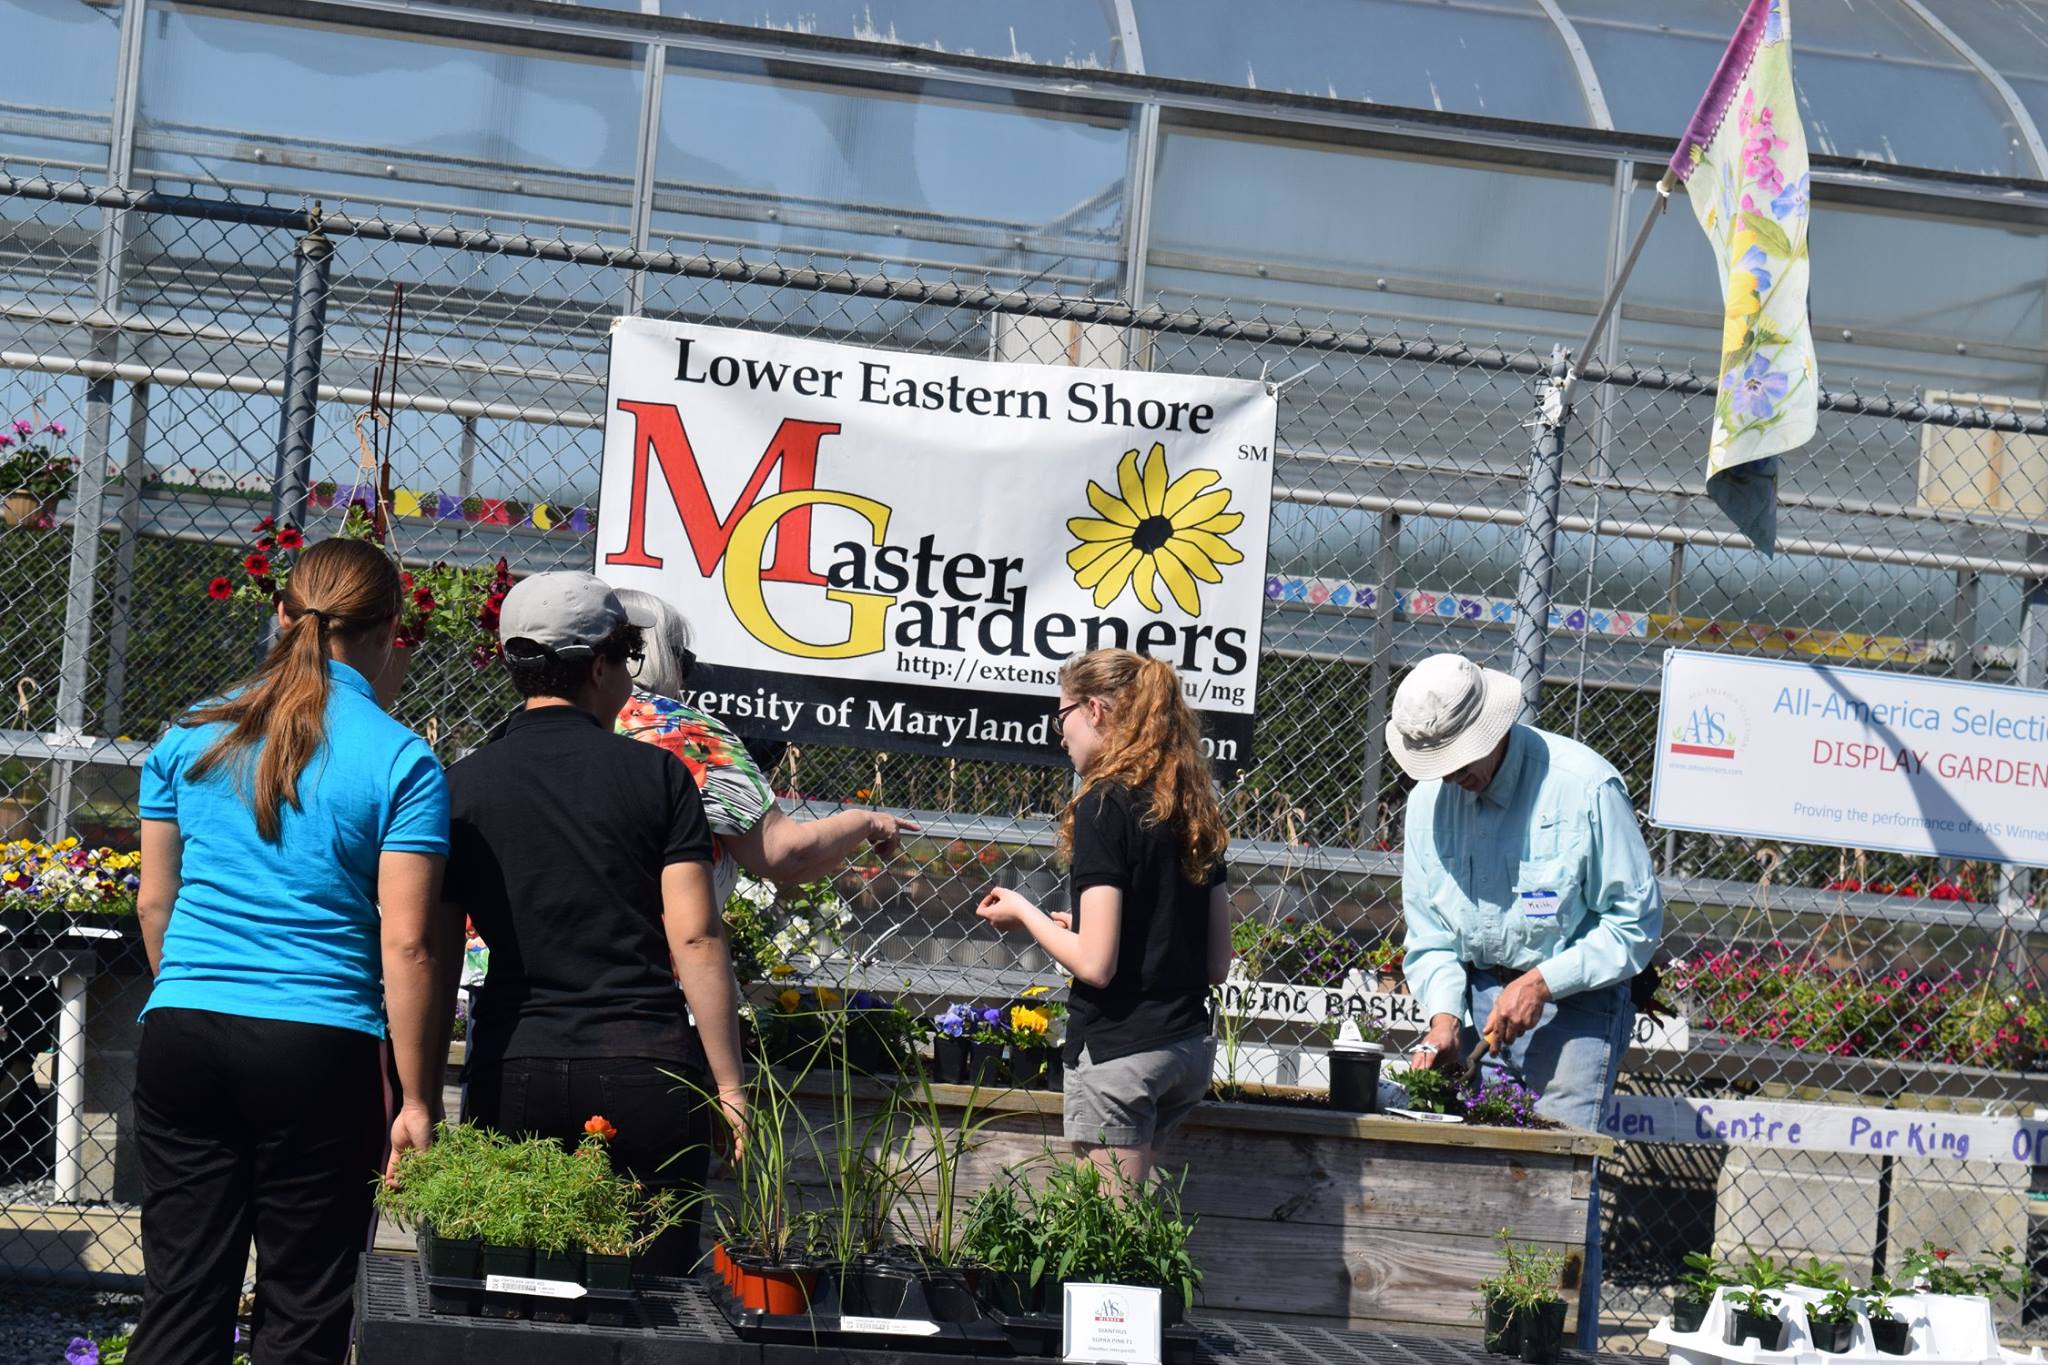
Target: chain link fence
x,y
158,332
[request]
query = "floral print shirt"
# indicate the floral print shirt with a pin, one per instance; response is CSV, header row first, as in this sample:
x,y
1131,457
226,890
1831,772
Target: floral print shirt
x,y
736,795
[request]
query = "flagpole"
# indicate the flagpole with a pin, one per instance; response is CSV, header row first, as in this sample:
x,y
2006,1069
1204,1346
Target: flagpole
x,y
1546,479
1612,302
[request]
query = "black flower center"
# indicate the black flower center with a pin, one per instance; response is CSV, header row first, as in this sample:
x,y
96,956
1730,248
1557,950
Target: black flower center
x,y
1152,533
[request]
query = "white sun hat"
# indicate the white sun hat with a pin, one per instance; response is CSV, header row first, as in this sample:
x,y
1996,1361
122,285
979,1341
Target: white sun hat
x,y
1449,712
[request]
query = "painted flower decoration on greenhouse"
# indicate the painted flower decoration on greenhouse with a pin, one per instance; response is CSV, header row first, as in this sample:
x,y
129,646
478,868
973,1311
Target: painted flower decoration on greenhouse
x,y
1155,529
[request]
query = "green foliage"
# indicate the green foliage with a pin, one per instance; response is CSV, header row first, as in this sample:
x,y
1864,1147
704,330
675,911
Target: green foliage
x,y
1702,1277
1528,1275
1877,1299
1110,1229
1001,1233
1431,1091
1758,1288
472,1183
1995,1274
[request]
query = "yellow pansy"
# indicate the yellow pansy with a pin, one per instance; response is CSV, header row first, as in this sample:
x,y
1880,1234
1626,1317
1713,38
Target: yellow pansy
x,y
1025,1020
828,997
789,1000
1030,992
782,971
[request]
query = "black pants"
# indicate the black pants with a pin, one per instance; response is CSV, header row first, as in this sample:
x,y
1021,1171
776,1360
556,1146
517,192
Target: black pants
x,y
252,1127
664,1125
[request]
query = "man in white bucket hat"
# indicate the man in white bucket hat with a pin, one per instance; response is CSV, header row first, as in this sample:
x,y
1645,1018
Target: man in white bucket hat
x,y
1528,893
1529,898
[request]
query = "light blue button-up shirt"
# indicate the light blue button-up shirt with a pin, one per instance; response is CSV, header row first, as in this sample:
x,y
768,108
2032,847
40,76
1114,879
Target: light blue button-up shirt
x,y
1545,868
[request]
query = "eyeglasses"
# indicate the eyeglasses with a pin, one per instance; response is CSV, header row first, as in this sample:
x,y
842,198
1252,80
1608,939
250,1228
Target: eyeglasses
x,y
1059,718
635,661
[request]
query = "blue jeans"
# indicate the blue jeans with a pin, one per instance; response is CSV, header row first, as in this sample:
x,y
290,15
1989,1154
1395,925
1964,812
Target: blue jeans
x,y
1570,1059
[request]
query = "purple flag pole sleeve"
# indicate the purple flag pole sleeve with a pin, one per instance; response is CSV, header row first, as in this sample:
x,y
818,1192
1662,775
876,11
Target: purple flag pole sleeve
x,y
1706,120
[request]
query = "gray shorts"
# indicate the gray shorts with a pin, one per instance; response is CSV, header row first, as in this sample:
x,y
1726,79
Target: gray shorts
x,y
1135,1101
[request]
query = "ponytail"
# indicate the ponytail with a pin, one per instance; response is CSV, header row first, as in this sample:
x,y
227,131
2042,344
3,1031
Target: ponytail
x,y
345,588
1152,742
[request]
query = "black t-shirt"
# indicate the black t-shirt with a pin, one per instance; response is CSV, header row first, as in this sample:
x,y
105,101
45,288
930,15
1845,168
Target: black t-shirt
x,y
557,834
1160,991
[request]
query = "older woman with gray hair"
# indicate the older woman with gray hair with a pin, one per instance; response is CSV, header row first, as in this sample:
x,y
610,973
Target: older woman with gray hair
x,y
747,829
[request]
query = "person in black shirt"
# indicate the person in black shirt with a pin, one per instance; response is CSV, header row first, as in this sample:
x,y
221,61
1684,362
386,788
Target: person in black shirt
x,y
1150,930
584,860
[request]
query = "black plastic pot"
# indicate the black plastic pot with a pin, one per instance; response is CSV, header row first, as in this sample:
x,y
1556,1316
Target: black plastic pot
x,y
1503,1328
949,1060
1008,1291
947,1294
984,1065
507,1260
1355,1078
608,1272
1028,1067
1688,1314
1832,1334
1767,1328
451,1258
875,1291
865,1053
1543,1333
1055,1071
1891,1335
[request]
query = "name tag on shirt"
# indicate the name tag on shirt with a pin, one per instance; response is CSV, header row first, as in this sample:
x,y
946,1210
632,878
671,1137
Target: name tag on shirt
x,y
1539,904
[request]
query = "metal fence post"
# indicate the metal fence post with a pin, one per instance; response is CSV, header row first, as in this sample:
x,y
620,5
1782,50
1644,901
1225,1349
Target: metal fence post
x,y
1386,568
81,584
122,591
294,470
1539,534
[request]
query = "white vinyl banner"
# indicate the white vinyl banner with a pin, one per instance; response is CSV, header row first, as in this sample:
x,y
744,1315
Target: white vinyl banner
x,y
1791,1125
1815,754
899,550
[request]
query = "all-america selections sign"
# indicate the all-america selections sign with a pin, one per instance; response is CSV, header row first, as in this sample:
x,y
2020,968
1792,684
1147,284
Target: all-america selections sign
x,y
898,550
1806,752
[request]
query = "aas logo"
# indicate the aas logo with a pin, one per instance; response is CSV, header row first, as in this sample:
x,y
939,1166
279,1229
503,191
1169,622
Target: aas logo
x,y
1711,724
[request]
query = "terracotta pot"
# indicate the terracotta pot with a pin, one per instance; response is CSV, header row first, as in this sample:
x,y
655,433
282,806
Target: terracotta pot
x,y
780,1290
25,508
721,1263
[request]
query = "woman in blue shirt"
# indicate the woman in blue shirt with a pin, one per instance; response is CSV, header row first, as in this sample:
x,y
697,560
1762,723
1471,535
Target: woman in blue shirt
x,y
293,836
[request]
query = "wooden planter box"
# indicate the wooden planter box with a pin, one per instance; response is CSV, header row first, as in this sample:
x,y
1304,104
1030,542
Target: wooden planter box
x,y
1337,1220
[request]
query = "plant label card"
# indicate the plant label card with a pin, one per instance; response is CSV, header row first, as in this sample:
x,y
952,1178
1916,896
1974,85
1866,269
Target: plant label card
x,y
521,1284
1117,1323
891,1327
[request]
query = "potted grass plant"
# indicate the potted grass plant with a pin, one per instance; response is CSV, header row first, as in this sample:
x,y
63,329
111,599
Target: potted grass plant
x,y
1001,1242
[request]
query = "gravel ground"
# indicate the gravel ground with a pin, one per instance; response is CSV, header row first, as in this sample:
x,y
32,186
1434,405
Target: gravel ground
x,y
37,1323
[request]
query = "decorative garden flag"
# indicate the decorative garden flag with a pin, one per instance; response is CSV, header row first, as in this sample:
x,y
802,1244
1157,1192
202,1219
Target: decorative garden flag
x,y
1743,161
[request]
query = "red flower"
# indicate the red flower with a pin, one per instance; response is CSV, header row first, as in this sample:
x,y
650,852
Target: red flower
x,y
405,581
257,564
291,538
266,543
598,1126
220,590
1943,1254
266,523
423,599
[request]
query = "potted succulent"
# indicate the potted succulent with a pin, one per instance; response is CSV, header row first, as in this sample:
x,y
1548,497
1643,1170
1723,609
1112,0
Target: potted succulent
x,y
1700,1280
1357,1051
1889,1332
1755,1301
1831,1319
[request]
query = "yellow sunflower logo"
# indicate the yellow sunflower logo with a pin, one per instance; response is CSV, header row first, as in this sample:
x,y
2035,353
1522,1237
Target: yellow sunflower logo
x,y
1161,529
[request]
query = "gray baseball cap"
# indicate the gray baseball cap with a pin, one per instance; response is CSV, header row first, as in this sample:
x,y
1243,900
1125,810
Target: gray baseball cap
x,y
564,612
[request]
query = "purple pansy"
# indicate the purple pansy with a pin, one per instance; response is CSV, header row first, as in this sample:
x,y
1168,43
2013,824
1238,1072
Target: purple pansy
x,y
82,1351
953,1023
992,1016
1754,391
867,1000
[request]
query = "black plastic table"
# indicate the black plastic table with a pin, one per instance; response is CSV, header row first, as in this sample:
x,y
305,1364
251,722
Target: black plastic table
x,y
674,1322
